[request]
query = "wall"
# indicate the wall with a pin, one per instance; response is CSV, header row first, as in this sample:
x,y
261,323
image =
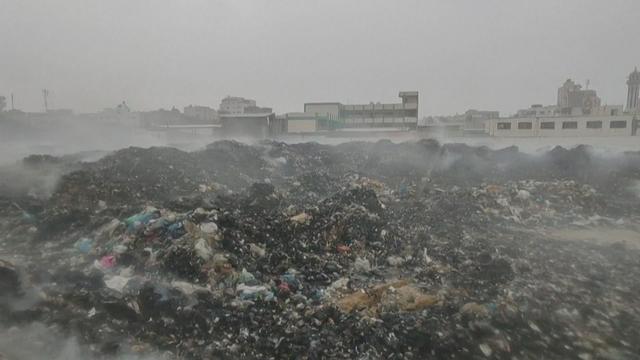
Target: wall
x,y
301,125
331,110
558,131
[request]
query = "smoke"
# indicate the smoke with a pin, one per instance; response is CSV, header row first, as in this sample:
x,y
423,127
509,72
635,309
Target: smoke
x,y
36,341
635,188
35,180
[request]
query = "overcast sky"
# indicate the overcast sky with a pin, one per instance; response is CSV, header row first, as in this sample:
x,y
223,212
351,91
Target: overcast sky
x,y
460,54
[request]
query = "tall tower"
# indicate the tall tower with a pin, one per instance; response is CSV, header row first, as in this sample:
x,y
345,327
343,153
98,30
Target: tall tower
x,y
633,95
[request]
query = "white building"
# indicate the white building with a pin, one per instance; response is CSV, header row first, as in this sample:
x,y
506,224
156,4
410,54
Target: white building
x,y
633,93
564,126
372,115
235,105
298,123
202,114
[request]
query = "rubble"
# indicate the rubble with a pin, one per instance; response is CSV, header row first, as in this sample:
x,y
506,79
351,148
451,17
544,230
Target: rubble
x,y
359,250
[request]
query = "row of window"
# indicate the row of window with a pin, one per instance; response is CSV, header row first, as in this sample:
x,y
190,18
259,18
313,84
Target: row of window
x,y
551,125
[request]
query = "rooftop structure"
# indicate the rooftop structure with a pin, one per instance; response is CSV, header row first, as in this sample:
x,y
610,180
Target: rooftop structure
x,y
564,126
201,114
571,95
254,125
633,93
378,115
235,105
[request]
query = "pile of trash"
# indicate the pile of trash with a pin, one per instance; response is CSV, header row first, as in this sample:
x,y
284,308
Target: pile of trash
x,y
361,250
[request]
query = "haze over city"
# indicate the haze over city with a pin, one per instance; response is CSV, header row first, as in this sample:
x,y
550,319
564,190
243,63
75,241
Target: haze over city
x,y
499,55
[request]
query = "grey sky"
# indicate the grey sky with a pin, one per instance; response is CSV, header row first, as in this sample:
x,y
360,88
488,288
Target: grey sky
x,y
460,54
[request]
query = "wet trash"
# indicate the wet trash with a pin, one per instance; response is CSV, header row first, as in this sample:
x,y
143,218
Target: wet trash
x,y
359,250
108,261
9,279
117,283
84,245
398,296
203,249
362,265
256,292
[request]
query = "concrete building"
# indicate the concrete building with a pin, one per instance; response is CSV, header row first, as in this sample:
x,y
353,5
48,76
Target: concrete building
x,y
572,97
579,113
235,105
564,126
300,123
633,92
256,125
162,117
472,122
538,110
256,110
201,114
392,115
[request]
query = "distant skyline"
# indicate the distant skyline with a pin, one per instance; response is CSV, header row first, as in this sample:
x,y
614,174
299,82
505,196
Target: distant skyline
x,y
459,54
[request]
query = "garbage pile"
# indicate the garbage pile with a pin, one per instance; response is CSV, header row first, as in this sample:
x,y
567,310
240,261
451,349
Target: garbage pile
x,y
360,250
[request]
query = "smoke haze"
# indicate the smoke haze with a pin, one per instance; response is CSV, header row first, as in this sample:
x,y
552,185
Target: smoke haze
x,y
500,55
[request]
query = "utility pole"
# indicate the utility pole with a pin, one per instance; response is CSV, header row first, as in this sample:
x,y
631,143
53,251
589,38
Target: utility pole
x,y
12,107
45,95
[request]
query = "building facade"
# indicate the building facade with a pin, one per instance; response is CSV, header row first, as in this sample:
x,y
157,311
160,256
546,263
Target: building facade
x,y
633,92
378,115
257,125
300,123
201,114
572,97
235,105
564,126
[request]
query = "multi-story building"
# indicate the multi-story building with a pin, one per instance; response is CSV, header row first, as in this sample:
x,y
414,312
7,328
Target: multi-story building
x,y
472,122
201,114
257,110
564,126
633,93
572,97
235,105
393,115
579,113
539,110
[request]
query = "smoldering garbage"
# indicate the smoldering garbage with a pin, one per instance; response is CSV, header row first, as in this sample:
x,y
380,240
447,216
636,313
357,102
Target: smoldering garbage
x,y
359,250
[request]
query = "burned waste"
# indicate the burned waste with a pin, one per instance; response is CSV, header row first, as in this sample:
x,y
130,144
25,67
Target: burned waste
x,y
359,250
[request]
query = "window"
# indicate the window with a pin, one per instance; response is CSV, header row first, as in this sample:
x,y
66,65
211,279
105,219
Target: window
x,y
504,126
594,124
525,126
547,125
569,124
619,124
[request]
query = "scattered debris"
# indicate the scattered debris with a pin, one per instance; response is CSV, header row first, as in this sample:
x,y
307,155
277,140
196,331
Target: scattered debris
x,y
359,250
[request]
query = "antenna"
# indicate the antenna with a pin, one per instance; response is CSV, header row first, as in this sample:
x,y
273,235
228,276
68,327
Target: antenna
x,y
12,107
45,95
587,84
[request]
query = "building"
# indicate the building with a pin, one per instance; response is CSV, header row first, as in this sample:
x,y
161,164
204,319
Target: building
x,y
538,110
121,115
476,120
235,105
256,110
564,126
633,93
201,114
472,122
162,118
256,125
392,115
573,100
300,123
579,113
